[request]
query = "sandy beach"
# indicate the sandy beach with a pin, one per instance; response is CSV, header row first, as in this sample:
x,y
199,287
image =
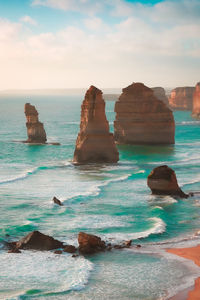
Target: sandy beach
x,y
192,253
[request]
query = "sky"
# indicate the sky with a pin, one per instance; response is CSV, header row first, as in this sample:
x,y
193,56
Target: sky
x,y
107,43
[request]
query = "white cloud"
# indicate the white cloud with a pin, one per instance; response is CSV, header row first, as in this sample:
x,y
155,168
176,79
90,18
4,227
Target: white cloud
x,y
28,20
86,6
139,48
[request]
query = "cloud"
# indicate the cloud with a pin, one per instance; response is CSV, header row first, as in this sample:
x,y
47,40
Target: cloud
x,y
157,44
28,20
85,6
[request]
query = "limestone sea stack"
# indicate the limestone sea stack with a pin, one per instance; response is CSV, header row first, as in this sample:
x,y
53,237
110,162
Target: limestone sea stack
x,y
35,129
94,142
141,118
196,102
181,98
159,92
162,181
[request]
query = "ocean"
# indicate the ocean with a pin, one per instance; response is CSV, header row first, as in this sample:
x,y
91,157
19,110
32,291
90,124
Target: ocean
x,y
111,201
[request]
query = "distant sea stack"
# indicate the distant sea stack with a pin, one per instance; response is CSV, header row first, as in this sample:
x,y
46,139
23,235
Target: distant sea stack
x,y
35,129
162,181
196,101
94,142
141,118
159,92
181,98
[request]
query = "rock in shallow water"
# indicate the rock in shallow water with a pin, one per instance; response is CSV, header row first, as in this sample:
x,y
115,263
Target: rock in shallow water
x,y
38,241
181,98
94,144
89,244
35,129
162,181
57,201
141,118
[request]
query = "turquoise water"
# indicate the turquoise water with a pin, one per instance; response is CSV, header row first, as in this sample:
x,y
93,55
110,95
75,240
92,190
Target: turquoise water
x,y
112,201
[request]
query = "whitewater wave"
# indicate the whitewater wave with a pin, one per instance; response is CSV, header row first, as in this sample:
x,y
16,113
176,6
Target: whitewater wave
x,y
30,172
183,123
160,200
19,177
96,189
159,227
44,272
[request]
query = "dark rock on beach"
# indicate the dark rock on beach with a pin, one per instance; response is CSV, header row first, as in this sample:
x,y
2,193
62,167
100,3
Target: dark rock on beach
x,y
38,241
162,181
57,201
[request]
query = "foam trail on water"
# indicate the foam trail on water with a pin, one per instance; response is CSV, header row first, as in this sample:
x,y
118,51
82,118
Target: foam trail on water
x,y
42,271
96,189
158,228
30,172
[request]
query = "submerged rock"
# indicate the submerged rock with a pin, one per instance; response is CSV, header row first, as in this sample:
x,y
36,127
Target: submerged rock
x,y
196,102
38,241
159,92
181,98
162,181
69,249
57,201
90,244
95,144
141,118
35,129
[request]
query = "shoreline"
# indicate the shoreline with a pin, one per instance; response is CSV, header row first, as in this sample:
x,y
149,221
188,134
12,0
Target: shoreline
x,y
192,253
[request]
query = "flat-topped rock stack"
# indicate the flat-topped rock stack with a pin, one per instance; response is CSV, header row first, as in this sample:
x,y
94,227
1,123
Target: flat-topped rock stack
x,y
181,98
196,101
159,92
141,118
35,129
95,144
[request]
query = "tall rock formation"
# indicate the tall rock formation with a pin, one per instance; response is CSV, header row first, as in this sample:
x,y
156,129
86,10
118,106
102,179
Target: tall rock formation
x,y
35,129
181,98
141,118
196,102
159,92
94,142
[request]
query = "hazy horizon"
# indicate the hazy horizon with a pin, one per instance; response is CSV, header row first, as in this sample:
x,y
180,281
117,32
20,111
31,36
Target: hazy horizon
x,y
63,44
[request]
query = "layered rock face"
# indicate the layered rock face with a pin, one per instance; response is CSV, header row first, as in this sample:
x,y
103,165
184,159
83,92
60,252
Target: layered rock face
x,y
159,92
141,118
162,181
196,101
94,142
181,98
35,129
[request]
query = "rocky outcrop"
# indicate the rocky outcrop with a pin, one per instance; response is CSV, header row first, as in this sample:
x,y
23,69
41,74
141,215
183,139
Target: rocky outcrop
x,y
159,92
38,241
196,102
181,98
57,201
141,118
35,129
94,143
89,244
162,181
